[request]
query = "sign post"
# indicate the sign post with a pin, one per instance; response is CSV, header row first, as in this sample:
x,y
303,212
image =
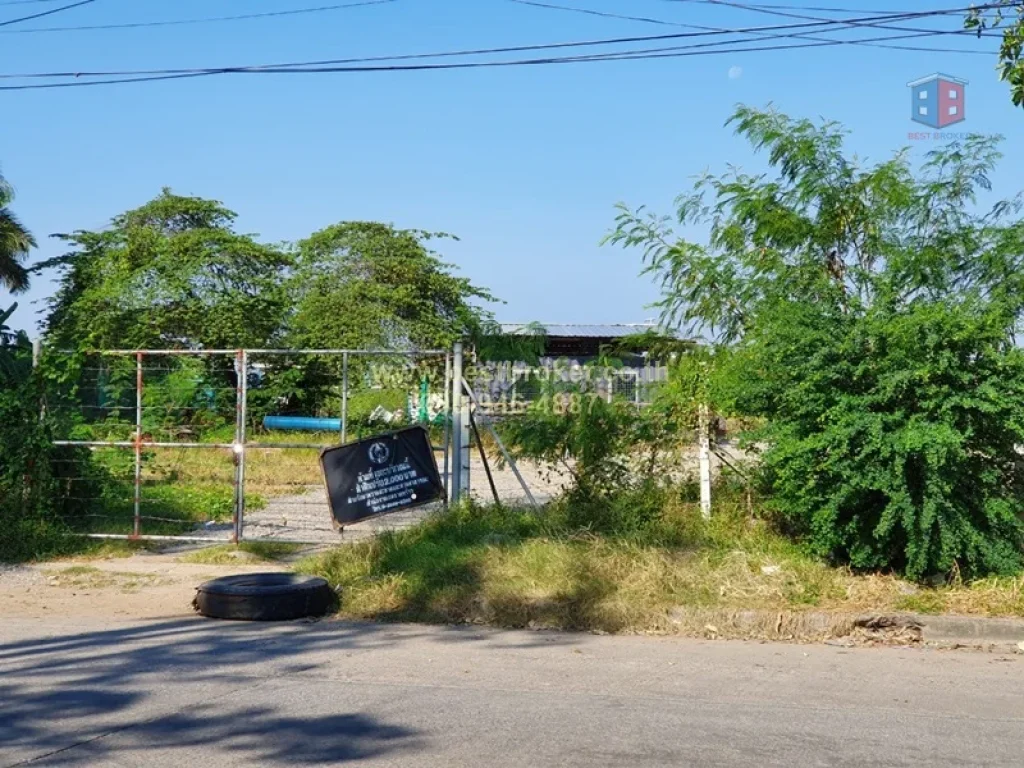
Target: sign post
x,y
380,474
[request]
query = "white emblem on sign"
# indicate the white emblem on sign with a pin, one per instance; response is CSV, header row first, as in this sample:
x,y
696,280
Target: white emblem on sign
x,y
379,453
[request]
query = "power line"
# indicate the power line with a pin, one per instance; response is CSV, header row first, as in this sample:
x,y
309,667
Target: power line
x,y
817,8
654,53
823,9
607,14
345,65
647,19
45,13
668,52
26,2
662,22
768,10
203,20
290,70
486,51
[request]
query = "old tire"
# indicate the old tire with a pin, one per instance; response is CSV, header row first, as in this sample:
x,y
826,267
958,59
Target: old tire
x,y
264,597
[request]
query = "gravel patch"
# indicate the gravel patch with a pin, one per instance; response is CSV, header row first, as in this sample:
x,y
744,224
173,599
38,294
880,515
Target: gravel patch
x,y
13,576
306,516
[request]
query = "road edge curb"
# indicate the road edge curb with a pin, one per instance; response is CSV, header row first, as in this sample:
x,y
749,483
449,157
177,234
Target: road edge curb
x,y
841,628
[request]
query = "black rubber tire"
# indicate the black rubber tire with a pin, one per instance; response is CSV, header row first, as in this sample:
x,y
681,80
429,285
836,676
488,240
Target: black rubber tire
x,y
264,597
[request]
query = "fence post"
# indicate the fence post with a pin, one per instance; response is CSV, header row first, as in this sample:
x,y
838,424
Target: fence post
x,y
344,396
466,453
447,422
236,448
137,500
704,459
456,482
37,358
242,437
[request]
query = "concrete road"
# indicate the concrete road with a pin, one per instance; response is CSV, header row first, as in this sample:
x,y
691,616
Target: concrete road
x,y
188,691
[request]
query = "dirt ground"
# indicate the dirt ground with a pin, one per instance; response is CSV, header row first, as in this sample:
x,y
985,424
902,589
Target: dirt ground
x,y
147,585
151,585
158,585
306,516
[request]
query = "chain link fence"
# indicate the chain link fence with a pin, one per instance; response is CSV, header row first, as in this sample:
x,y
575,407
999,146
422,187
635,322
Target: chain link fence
x,y
223,445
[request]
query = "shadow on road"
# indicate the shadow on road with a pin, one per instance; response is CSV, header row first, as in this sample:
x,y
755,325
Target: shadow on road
x,y
68,696
81,698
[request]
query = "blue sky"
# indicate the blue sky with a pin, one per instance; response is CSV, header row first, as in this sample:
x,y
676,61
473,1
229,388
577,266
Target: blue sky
x,y
523,164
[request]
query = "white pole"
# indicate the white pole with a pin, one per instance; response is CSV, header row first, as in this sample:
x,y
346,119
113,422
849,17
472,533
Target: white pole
x,y
466,455
704,458
344,397
447,425
456,481
240,449
37,356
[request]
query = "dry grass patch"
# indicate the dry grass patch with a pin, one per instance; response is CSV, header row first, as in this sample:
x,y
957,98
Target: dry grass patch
x,y
269,472
90,577
518,568
244,552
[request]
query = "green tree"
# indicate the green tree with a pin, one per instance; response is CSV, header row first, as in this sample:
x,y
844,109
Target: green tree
x,y
366,284
1011,50
30,498
15,351
871,315
15,243
172,273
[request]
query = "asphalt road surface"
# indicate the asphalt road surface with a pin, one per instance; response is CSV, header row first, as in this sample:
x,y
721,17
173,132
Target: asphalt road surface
x,y
196,692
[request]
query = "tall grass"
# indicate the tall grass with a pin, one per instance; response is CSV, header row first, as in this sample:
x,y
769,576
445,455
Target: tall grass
x,y
519,567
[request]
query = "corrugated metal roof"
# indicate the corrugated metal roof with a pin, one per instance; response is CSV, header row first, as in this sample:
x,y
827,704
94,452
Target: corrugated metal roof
x,y
591,330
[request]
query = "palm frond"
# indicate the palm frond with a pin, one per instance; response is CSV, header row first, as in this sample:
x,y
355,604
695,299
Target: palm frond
x,y
15,243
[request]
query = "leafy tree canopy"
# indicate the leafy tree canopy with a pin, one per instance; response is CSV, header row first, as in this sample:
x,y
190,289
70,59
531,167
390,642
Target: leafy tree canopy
x,y
1007,15
15,243
868,313
172,273
830,230
15,351
365,284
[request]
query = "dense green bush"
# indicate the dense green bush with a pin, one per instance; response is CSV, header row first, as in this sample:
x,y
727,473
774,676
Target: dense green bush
x,y
29,521
47,491
868,312
892,438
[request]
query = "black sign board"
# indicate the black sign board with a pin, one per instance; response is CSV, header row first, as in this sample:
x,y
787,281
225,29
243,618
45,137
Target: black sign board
x,y
380,474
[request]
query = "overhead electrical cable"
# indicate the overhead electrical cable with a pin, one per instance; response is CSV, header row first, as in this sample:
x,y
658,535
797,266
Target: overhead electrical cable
x,y
26,2
39,15
825,9
670,52
469,52
201,20
874,23
368,64
663,22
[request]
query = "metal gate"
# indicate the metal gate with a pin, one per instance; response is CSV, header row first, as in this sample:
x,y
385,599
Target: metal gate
x,y
223,445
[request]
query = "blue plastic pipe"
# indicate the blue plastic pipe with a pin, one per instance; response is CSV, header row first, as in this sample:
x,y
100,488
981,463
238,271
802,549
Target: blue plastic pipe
x,y
302,423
